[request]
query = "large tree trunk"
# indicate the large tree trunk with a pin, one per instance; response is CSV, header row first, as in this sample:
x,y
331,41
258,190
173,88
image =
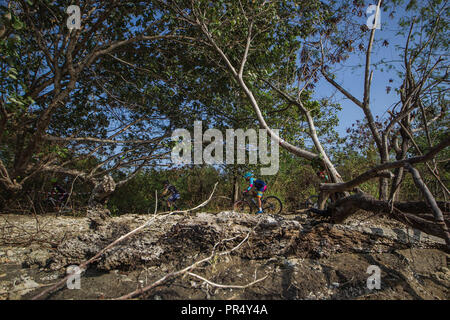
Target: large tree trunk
x,y
438,216
415,214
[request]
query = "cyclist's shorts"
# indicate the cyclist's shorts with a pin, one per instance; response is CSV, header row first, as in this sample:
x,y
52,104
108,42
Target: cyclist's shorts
x,y
174,197
260,191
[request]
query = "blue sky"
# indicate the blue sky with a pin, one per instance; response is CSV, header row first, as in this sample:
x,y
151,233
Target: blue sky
x,y
351,77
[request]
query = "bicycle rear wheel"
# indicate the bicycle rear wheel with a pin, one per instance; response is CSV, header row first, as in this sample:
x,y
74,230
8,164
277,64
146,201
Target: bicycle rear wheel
x,y
242,207
272,205
161,207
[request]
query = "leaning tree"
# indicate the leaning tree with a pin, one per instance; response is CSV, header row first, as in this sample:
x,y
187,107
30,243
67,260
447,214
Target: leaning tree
x,y
286,47
423,80
76,102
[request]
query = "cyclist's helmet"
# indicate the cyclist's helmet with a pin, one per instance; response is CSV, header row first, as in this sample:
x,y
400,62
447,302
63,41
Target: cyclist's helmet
x,y
166,182
248,175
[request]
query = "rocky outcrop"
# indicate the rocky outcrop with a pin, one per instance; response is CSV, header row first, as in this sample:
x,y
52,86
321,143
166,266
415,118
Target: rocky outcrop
x,y
180,238
97,212
303,257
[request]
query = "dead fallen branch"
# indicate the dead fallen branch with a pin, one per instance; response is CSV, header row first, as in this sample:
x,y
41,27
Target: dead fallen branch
x,y
17,234
438,216
187,269
345,207
417,222
226,286
84,265
374,172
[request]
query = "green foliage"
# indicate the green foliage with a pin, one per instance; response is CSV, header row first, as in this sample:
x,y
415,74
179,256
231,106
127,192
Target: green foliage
x,y
159,85
293,184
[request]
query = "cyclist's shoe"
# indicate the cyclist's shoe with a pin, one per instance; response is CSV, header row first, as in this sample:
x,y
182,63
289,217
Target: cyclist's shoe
x,y
259,212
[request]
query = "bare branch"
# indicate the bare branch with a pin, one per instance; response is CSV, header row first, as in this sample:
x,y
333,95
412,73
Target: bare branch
x,y
431,201
247,46
192,266
117,241
227,286
370,174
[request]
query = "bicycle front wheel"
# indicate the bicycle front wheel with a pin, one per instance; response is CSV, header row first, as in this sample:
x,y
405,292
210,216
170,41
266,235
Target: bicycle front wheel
x,y
242,207
272,205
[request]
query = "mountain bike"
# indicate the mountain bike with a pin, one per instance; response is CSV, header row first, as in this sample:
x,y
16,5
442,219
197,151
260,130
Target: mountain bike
x,y
162,206
270,204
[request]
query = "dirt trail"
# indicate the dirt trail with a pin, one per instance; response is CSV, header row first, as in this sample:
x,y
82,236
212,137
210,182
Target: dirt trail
x,y
304,257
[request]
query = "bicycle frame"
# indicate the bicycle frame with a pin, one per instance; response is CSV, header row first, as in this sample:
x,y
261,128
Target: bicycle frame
x,y
162,206
251,200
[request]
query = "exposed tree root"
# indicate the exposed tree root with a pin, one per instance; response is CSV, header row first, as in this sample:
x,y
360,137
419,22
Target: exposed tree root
x,y
415,214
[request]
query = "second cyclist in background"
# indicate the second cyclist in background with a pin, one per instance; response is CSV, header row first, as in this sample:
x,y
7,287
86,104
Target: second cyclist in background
x,y
174,194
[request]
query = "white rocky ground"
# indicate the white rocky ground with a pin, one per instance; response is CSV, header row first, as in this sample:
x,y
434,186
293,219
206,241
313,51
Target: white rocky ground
x,y
304,257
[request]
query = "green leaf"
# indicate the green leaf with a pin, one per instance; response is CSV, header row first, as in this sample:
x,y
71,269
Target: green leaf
x,y
16,101
17,24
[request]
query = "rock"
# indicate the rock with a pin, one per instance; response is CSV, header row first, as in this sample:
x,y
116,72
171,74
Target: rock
x,y
308,260
34,247
50,277
25,286
77,249
269,222
335,284
39,257
442,274
98,216
182,239
9,253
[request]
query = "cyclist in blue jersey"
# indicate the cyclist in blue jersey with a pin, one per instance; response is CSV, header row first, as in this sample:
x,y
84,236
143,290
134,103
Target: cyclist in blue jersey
x,y
174,194
260,187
